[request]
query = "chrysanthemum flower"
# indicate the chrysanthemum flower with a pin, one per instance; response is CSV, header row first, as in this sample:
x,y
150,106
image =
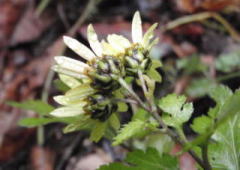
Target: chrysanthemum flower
x,y
93,82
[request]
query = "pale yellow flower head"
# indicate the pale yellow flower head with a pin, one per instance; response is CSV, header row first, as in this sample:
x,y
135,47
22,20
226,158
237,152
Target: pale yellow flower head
x,y
105,61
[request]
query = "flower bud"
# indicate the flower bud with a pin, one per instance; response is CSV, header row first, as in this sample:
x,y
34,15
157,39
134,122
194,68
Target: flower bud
x,y
107,70
100,107
137,59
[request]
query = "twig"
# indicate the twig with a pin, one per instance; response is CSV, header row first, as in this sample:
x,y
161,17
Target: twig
x,y
88,10
40,8
199,17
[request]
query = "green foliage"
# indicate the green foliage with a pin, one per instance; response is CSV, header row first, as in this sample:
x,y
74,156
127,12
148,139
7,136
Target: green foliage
x,y
224,113
114,121
224,152
176,109
200,87
82,123
122,107
136,128
98,131
33,122
140,114
228,62
162,142
191,64
219,94
153,73
61,86
201,124
149,160
37,106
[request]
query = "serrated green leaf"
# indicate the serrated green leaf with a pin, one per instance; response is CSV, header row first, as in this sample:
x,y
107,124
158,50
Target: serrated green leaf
x,y
98,131
222,115
224,153
201,124
176,109
34,122
220,93
128,131
136,128
141,114
37,106
149,160
228,62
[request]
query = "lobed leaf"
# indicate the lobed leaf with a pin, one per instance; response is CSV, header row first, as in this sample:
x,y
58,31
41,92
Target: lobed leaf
x,y
176,109
148,160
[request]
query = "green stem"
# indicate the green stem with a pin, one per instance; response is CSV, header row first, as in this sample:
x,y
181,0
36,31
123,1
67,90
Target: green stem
x,y
182,134
156,114
40,8
131,92
228,76
205,156
145,91
143,84
199,17
44,98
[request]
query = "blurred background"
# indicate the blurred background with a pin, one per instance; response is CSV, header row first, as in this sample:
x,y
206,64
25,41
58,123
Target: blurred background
x,y
199,47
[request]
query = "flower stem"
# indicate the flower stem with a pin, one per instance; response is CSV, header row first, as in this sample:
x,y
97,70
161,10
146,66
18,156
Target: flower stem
x,y
143,84
205,156
156,114
131,92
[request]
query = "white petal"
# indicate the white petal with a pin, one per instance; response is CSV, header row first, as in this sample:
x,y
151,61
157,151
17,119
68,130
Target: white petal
x,y
113,41
93,40
72,73
69,81
148,35
81,91
71,64
79,48
122,41
69,111
63,100
137,28
108,49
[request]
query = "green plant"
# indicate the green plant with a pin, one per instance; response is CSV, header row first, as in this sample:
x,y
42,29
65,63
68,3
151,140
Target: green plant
x,y
99,90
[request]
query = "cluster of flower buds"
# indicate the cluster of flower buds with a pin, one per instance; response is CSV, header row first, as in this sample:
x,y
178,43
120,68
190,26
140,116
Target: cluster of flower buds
x,y
106,72
107,62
